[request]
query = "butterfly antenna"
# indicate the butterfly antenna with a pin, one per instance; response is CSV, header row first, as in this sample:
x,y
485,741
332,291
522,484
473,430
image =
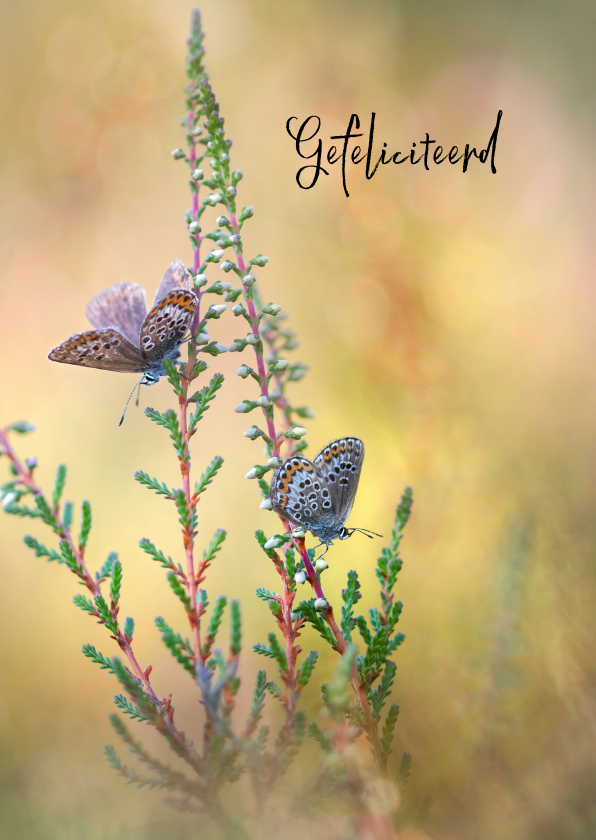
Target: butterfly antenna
x,y
139,383
366,532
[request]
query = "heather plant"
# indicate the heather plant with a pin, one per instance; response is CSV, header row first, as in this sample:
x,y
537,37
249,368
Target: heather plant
x,y
356,697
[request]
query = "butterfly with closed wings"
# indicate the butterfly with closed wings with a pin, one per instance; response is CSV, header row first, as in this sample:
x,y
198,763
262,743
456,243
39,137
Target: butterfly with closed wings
x,y
319,494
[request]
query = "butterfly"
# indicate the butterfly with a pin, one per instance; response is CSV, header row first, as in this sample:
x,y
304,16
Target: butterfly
x,y
319,494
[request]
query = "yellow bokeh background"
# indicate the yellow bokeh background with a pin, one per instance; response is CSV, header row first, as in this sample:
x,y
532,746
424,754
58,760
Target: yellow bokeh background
x,y
448,318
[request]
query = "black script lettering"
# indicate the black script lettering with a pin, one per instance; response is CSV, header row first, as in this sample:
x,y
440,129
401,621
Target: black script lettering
x,y
492,145
426,144
452,154
467,155
332,150
345,137
371,134
317,152
437,154
412,153
355,152
403,160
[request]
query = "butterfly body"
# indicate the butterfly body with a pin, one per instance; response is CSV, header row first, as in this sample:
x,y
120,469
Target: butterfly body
x,y
319,494
127,338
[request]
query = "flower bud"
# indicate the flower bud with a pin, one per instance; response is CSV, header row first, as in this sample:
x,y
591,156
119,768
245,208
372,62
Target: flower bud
x,y
251,473
273,309
231,192
222,221
178,154
197,174
237,176
266,504
243,408
200,280
194,227
217,308
225,158
320,604
298,431
221,348
260,260
238,309
274,542
203,338
249,280
294,616
234,239
299,533
247,212
300,577
31,462
9,499
279,364
253,433
227,265
263,401
225,286
321,565
244,371
196,131
274,462
216,254
252,339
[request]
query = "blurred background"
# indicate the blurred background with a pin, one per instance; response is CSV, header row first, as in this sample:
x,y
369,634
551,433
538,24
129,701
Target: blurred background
x,y
449,320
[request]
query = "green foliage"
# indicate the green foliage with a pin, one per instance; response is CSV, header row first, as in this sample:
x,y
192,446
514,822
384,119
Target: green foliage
x,y
153,484
235,628
179,591
85,524
129,628
350,596
322,740
116,582
403,774
59,486
67,515
258,703
388,727
156,554
202,399
45,514
380,694
41,551
209,474
168,420
106,569
306,610
180,648
95,656
105,614
214,546
214,624
308,666
129,708
69,558
85,604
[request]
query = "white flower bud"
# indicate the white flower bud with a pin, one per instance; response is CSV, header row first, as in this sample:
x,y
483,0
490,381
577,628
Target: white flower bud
x,y
320,604
263,401
196,131
234,239
178,154
249,280
253,433
252,473
266,504
219,308
225,286
252,339
244,371
231,192
221,348
217,254
321,565
227,265
194,227
9,499
225,158
294,616
197,174
243,408
238,309
298,431
300,577
299,533
203,338
274,542
281,364
200,280
274,462
274,308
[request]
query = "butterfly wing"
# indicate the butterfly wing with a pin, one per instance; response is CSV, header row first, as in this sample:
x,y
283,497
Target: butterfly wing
x,y
176,277
166,324
105,349
293,482
340,463
121,306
